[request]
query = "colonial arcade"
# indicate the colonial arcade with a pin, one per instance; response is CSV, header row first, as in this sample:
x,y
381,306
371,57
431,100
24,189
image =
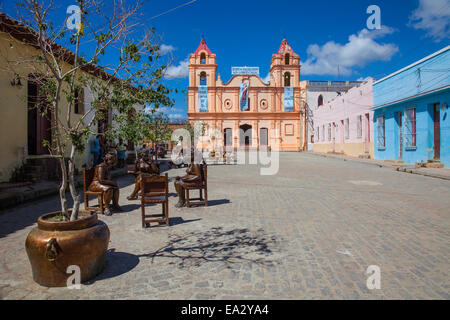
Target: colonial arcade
x,y
246,112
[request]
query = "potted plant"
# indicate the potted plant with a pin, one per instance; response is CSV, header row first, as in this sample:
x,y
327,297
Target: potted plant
x,y
69,236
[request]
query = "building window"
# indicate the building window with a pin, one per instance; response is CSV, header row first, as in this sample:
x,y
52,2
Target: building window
x,y
203,79
79,101
381,141
323,132
317,134
410,127
202,58
287,79
346,128
320,101
286,59
263,137
359,126
329,132
228,137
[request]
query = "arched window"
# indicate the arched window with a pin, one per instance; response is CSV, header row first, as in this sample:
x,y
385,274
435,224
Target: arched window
x,y
286,58
320,101
203,78
287,79
202,58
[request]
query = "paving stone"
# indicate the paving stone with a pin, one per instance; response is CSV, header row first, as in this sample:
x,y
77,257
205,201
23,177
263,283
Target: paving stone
x,y
305,233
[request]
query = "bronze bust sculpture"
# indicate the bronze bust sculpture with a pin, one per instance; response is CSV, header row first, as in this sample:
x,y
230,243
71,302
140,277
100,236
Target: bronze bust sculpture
x,y
193,178
102,182
143,165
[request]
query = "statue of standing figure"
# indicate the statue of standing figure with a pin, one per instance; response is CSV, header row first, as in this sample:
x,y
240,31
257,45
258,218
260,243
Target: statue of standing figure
x,y
102,182
143,165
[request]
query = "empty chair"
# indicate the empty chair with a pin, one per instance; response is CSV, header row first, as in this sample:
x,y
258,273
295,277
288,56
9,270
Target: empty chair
x,y
155,190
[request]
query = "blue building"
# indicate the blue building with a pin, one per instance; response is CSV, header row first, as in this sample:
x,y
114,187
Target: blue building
x,y
411,115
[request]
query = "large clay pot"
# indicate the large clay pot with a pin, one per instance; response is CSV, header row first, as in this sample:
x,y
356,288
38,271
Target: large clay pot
x,y
54,246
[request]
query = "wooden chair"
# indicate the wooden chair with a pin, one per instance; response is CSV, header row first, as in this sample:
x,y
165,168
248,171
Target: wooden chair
x,y
88,176
201,187
154,190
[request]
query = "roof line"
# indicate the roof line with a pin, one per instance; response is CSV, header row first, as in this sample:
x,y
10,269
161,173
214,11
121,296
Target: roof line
x,y
28,36
411,97
414,64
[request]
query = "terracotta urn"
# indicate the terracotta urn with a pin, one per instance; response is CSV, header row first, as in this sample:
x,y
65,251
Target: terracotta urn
x,y
53,246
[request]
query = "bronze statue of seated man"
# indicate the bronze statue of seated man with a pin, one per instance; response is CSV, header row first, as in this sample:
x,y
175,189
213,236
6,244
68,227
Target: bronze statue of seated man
x,y
143,165
102,182
193,178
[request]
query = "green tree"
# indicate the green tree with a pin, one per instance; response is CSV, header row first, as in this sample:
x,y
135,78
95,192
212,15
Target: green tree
x,y
157,129
130,77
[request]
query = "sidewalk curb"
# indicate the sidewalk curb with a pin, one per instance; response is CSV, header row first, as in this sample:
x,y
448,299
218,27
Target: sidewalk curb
x,y
406,168
13,197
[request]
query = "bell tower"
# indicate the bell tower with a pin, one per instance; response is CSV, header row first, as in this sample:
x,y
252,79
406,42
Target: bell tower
x,y
202,66
285,67
202,71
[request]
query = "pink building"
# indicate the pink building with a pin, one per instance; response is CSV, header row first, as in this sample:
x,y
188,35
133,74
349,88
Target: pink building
x,y
345,124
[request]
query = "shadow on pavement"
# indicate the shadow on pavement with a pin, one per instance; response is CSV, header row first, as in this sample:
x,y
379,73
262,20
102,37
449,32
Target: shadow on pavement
x,y
180,220
212,203
127,208
117,263
217,244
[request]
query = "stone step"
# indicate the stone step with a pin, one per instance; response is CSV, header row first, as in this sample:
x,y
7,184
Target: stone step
x,y
395,161
430,164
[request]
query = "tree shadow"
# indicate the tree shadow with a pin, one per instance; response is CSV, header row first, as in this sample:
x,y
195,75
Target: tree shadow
x,y
117,263
218,245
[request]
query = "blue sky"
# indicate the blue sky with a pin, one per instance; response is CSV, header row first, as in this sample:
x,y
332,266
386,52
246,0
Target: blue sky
x,y
325,33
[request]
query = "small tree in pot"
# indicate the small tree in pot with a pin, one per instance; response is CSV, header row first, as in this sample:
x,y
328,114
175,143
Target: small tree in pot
x,y
62,76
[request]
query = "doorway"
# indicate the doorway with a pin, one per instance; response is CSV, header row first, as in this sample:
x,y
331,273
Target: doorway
x,y
333,137
400,134
367,133
38,120
245,135
437,131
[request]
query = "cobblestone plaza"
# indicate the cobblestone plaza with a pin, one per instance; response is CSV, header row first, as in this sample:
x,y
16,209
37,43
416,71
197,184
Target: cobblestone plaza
x,y
308,232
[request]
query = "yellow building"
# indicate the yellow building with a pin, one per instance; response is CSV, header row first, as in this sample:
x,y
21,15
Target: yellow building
x,y
246,112
22,127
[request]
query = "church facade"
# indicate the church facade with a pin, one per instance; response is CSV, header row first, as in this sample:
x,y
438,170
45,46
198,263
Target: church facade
x,y
246,112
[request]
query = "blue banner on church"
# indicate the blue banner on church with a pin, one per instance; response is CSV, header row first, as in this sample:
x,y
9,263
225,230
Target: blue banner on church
x,y
288,99
202,98
243,97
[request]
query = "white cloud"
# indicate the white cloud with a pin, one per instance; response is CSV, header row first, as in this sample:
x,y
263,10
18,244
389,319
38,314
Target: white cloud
x,y
360,50
267,78
433,16
165,49
364,79
179,71
177,116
